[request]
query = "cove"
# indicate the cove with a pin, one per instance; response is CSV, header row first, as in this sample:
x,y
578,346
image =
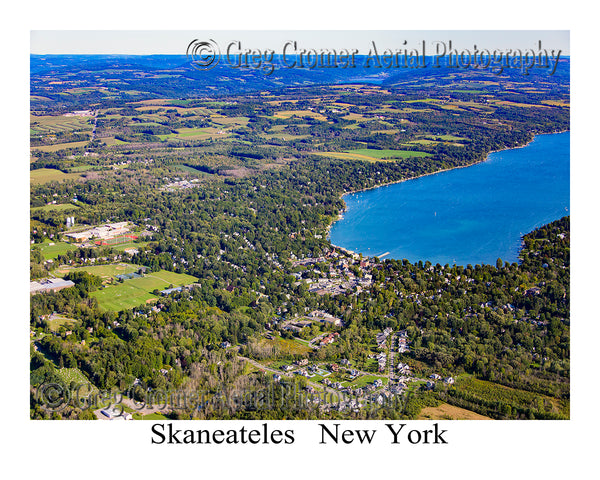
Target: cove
x,y
472,215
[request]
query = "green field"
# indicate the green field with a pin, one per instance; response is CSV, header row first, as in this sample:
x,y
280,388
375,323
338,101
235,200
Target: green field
x,y
104,271
58,321
136,291
69,375
387,154
53,251
58,207
365,380
60,146
150,416
122,246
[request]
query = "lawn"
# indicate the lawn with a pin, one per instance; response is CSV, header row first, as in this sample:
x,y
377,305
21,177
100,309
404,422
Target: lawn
x,y
366,380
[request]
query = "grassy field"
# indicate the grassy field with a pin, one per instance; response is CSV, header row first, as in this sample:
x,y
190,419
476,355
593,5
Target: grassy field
x,y
45,175
58,207
69,375
285,114
137,291
288,346
58,321
149,416
449,412
104,271
366,380
60,146
387,154
49,124
53,251
122,246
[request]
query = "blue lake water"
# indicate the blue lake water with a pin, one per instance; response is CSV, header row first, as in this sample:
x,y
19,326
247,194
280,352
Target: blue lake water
x,y
470,215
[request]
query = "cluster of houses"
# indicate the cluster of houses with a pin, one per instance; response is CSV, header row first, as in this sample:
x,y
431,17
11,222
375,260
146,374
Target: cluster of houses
x,y
378,383
179,185
381,361
340,278
435,377
381,337
403,369
403,342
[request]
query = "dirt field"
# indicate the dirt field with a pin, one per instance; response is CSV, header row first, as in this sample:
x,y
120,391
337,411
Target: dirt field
x,y
449,412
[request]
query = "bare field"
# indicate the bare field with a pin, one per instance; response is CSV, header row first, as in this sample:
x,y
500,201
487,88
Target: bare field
x,y
449,412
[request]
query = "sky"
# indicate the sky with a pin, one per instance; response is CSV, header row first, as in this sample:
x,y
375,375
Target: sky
x,y
147,42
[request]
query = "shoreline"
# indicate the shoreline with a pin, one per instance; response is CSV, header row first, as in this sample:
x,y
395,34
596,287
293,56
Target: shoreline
x,y
340,215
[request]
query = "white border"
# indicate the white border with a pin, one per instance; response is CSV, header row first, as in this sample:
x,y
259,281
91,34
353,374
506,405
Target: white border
x,y
477,449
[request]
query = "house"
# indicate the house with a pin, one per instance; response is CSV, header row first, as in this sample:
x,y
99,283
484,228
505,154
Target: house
x,y
449,380
533,291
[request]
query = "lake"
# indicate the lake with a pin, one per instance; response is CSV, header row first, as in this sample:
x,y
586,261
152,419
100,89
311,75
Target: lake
x,y
471,215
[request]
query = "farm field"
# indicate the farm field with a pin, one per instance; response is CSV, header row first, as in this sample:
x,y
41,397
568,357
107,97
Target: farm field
x,y
49,124
388,154
372,155
449,412
46,175
60,146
